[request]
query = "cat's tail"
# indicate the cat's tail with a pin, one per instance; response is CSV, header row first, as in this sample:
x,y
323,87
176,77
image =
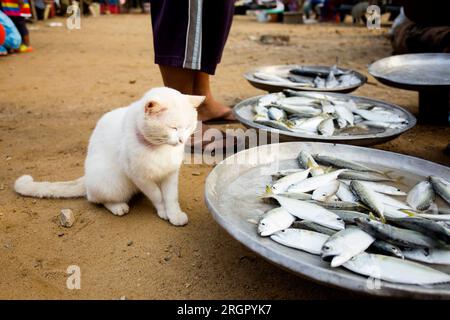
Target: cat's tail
x,y
26,186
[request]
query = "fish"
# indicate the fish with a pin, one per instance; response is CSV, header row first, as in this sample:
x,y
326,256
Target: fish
x,y
306,161
269,99
284,183
327,107
300,239
300,79
435,217
320,82
326,191
368,197
345,114
342,205
303,111
390,201
309,124
421,196
430,256
282,173
383,125
270,77
393,212
387,248
379,117
300,101
396,236
311,212
274,220
364,176
317,71
331,82
342,164
349,216
308,225
380,188
313,183
326,127
277,114
273,124
441,187
424,226
395,270
345,244
344,193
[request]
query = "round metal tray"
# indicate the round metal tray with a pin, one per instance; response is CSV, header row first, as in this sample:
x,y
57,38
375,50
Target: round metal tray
x,y
283,70
232,193
243,112
413,71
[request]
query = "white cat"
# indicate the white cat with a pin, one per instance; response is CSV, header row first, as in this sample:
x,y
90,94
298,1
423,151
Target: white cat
x,y
132,149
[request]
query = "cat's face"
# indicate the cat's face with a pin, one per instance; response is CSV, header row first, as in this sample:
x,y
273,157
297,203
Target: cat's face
x,y
169,117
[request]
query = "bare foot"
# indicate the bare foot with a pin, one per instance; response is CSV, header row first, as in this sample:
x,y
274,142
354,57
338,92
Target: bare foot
x,y
213,110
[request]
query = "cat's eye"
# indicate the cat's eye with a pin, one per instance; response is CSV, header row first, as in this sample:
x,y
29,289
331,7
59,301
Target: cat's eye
x,y
175,128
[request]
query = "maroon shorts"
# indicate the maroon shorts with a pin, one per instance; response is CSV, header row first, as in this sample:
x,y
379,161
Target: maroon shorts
x,y
190,34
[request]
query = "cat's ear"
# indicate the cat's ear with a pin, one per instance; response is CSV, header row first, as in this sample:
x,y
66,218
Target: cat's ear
x,y
153,108
196,101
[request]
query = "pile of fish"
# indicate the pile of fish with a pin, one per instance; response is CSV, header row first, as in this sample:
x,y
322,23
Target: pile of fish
x,y
312,77
320,114
352,216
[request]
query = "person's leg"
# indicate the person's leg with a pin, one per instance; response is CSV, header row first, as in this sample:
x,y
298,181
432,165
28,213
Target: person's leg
x,y
210,109
178,78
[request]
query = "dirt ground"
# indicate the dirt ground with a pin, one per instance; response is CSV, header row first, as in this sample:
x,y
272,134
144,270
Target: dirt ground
x,y
50,101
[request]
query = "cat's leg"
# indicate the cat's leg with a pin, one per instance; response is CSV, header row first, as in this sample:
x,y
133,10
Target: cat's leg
x,y
169,189
118,209
153,192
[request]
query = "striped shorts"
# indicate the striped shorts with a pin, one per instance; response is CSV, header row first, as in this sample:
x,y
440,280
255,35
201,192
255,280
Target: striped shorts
x,y
190,34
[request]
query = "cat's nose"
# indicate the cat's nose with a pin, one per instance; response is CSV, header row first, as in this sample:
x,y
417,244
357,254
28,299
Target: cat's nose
x,y
180,140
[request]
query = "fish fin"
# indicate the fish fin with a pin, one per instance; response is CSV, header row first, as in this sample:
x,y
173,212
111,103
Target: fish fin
x,y
372,216
408,212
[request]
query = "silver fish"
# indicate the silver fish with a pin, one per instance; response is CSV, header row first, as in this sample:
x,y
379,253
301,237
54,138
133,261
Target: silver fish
x,y
395,270
349,216
284,183
283,173
313,183
269,99
382,188
344,193
304,240
274,220
342,164
441,187
394,235
379,117
424,226
431,256
326,127
364,176
277,114
345,114
346,244
421,196
387,248
273,124
326,191
308,225
311,212
306,161
368,197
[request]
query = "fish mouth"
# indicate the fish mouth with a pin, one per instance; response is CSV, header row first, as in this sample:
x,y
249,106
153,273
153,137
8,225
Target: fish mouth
x,y
328,257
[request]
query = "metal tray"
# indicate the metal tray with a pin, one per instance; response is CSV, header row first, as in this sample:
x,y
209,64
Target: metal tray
x,y
413,71
283,70
233,186
243,112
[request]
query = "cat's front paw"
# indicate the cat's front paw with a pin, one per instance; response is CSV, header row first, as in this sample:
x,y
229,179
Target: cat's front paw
x,y
178,219
162,214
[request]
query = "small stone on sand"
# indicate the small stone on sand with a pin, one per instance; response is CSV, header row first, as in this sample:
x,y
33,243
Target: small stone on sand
x,y
66,218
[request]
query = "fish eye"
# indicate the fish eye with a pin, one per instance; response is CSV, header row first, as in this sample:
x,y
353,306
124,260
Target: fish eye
x,y
326,248
263,224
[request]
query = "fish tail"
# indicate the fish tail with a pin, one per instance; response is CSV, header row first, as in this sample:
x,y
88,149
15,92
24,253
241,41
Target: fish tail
x,y
408,212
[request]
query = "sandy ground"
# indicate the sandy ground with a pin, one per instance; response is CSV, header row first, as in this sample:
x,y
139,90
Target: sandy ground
x,y
50,101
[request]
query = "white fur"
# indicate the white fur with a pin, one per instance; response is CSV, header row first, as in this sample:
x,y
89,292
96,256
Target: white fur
x,y
119,164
